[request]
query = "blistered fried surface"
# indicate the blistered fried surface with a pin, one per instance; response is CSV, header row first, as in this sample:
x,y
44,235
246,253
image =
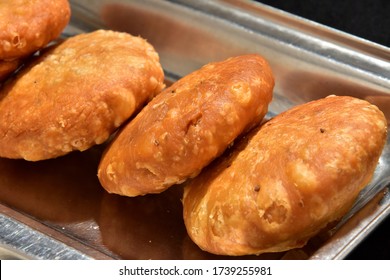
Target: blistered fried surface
x,y
76,94
287,180
187,126
28,25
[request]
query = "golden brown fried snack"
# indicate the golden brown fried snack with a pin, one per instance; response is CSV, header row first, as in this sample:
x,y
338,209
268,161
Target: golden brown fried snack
x,y
76,94
287,180
7,67
185,127
28,25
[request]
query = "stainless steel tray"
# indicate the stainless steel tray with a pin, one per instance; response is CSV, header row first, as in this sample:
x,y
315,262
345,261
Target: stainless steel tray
x,y
56,209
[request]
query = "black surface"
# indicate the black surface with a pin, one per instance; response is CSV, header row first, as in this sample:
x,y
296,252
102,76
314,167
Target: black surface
x,y
369,20
376,246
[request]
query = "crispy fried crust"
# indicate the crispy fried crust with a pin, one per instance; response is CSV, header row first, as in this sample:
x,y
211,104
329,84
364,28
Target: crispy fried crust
x,y
287,180
187,126
7,67
28,25
76,94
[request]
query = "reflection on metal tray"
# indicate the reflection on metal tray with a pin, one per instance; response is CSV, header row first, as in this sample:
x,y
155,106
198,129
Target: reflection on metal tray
x,y
57,209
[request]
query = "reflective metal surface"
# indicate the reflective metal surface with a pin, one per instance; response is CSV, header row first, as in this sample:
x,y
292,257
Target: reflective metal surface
x,y
57,209
22,242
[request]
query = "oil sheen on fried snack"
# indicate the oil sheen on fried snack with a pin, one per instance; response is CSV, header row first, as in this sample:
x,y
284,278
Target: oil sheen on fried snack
x,y
287,179
76,94
188,125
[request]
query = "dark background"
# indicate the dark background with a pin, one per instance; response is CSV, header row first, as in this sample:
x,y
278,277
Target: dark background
x,y
369,20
